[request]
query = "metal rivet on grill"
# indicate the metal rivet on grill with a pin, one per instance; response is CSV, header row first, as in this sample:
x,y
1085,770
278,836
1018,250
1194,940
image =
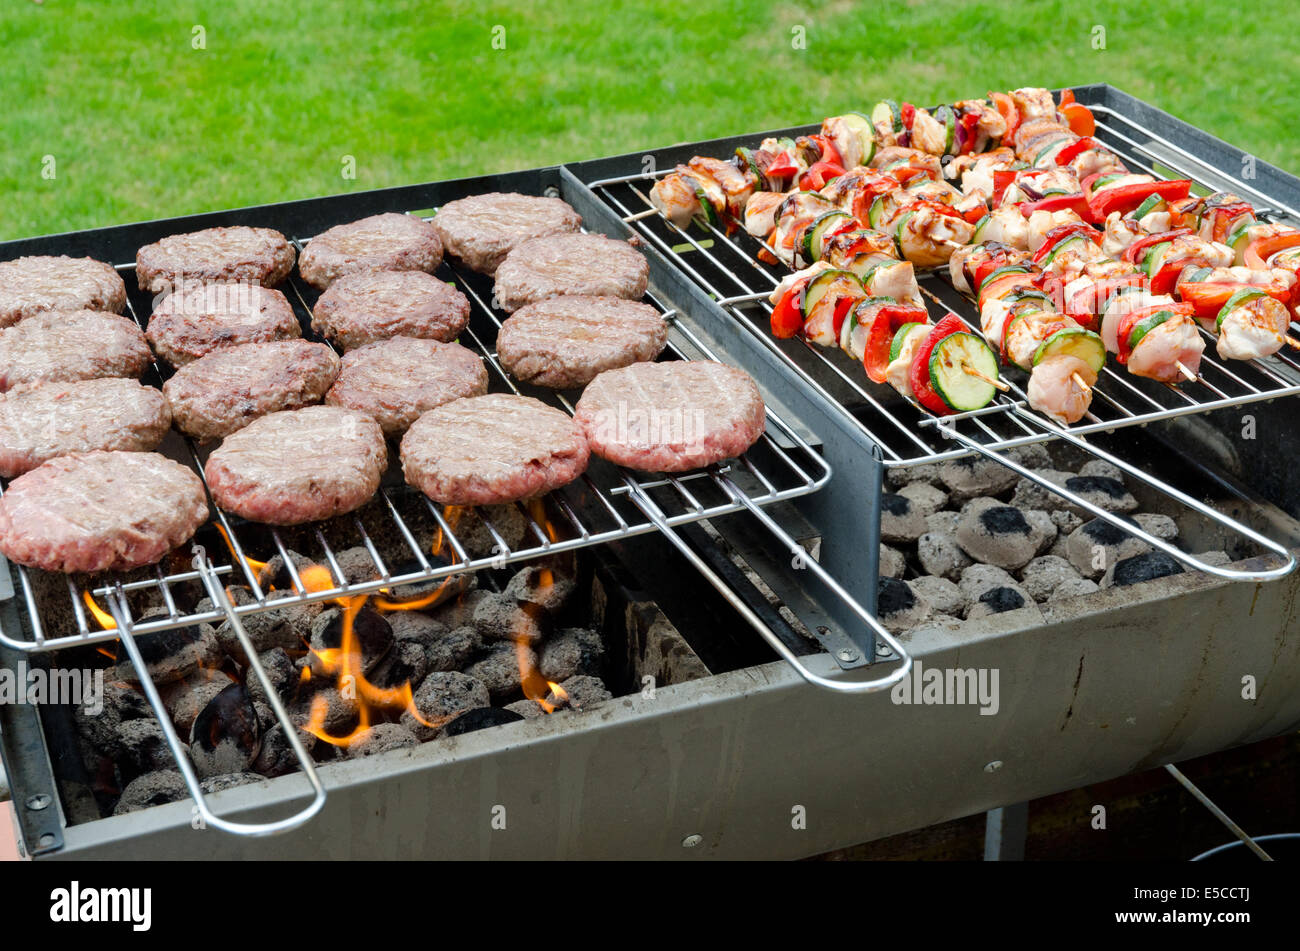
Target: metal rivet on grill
x,y
38,802
884,650
691,841
848,656
994,766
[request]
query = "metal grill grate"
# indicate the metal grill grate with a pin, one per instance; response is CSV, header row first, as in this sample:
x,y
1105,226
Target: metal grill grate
x,y
729,268
605,504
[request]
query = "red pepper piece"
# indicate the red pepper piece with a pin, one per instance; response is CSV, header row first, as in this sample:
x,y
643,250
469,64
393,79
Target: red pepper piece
x,y
919,376
888,318
787,316
1125,198
1135,251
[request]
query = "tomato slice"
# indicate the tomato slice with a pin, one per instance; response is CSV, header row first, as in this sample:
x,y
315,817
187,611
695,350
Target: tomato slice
x,y
1067,96
887,320
1079,117
919,376
787,316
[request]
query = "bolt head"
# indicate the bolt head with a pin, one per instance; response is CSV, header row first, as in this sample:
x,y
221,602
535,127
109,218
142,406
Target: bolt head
x,y
691,841
847,655
994,766
884,650
38,802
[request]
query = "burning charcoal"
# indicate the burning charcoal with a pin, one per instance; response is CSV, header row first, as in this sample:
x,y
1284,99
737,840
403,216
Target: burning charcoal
x,y
417,627
509,523
892,563
499,617
171,655
287,628
276,755
542,586
144,746
442,697
900,521
1031,495
381,738
898,606
1100,467
1073,588
924,497
373,638
1096,545
151,789
453,650
481,719
274,574
940,554
996,601
944,523
582,692
323,705
357,565
906,475
424,595
121,703
1043,575
1041,525
1105,493
499,669
528,709
214,784
1001,535
978,580
973,476
186,700
280,671
1144,567
406,663
570,652
226,735
1033,456
1065,522
1161,526
944,596
461,610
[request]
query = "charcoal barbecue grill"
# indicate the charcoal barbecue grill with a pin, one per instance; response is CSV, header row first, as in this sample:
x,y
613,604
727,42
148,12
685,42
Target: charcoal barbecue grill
x,y
722,758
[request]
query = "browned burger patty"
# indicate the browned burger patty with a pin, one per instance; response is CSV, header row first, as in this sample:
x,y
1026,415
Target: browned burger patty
x,y
34,284
226,390
55,419
71,345
491,449
100,511
673,416
396,380
193,323
482,230
562,264
214,256
565,341
361,308
299,466
389,242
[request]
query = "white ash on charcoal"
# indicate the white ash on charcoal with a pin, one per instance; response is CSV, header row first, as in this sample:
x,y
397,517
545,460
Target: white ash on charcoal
x,y
339,712
991,590
381,738
1074,588
1002,535
892,563
185,700
925,498
121,703
151,789
973,476
1100,467
453,650
143,746
498,668
481,719
169,656
542,586
1161,526
276,758
226,735
944,596
1065,522
214,784
1033,456
1044,574
406,663
443,696
280,671
1216,558
287,628
1147,566
1109,495
581,692
898,607
899,476
371,632
499,617
900,520
527,709
941,556
945,522
1096,545
1030,495
570,652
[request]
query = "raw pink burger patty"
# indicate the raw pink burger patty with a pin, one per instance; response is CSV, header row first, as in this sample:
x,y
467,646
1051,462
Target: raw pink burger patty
x,y
192,323
389,242
218,255
56,419
44,282
396,380
100,511
561,264
672,416
71,345
299,466
487,450
361,308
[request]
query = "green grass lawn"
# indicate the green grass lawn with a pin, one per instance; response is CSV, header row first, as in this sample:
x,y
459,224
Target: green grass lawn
x,y
142,125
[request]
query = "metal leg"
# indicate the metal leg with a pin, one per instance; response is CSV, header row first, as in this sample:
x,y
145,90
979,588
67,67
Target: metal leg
x,y
1218,813
1005,831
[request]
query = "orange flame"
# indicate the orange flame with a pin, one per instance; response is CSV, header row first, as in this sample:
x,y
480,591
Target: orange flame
x,y
254,565
105,619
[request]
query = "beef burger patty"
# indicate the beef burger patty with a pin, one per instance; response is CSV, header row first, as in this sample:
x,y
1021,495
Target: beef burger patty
x,y
192,323
570,264
483,229
71,345
361,308
389,242
33,284
214,255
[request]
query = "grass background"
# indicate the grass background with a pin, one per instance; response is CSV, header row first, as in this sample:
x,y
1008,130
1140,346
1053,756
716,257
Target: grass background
x,y
142,125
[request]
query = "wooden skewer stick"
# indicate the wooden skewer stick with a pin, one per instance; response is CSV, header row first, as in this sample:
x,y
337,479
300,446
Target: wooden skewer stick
x,y
641,214
996,384
948,242
1184,371
1291,341
1079,382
